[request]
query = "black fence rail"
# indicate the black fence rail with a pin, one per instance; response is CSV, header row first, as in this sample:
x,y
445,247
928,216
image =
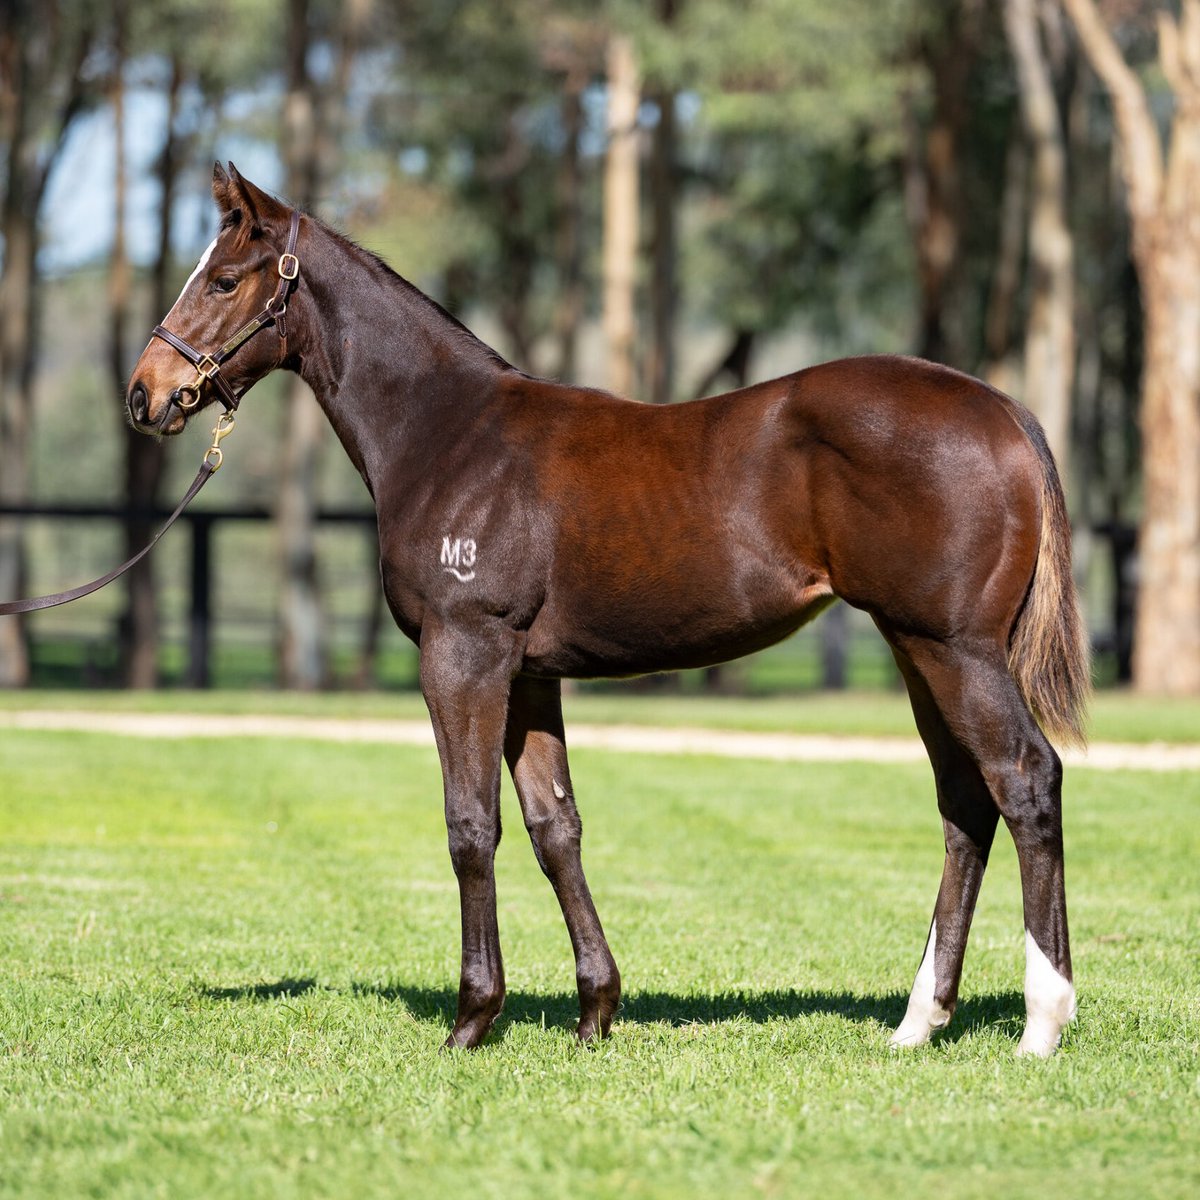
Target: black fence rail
x,y
1112,632
202,525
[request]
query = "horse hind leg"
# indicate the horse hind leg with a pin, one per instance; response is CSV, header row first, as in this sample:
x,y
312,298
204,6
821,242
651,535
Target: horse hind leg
x,y
969,819
536,752
979,702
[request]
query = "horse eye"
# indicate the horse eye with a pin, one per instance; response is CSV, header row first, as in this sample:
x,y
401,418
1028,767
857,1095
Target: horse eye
x,y
225,283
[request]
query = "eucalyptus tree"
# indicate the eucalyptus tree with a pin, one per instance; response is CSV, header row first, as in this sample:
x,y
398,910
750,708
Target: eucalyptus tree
x,y
1161,173
45,82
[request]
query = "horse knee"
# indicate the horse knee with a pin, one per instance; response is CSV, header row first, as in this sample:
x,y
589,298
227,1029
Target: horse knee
x,y
473,842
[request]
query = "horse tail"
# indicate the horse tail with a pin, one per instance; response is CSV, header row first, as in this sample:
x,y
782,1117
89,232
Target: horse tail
x,y
1048,651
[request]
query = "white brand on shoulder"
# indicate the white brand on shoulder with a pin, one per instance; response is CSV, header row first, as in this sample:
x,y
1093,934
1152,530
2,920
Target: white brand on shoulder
x,y
458,558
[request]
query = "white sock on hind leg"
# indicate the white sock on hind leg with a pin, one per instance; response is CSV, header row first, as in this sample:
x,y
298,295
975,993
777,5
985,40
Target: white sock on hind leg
x,y
1049,1002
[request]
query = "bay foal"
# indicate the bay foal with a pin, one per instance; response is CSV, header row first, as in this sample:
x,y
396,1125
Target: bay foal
x,y
531,531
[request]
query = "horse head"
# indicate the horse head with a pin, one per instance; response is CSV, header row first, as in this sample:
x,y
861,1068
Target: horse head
x,y
205,350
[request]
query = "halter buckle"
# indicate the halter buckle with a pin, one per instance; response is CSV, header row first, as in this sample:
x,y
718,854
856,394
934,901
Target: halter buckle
x,y
289,266
207,366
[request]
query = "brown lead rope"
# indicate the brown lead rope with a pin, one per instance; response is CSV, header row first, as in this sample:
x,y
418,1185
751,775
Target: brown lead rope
x,y
208,468
208,369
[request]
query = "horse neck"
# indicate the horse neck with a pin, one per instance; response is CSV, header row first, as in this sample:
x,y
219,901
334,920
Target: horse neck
x,y
384,361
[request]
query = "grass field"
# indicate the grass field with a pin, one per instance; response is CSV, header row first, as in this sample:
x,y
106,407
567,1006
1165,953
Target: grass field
x,y
227,967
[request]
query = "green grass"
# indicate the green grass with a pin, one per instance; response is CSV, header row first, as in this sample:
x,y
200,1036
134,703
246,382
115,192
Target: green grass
x,y
1115,715
227,968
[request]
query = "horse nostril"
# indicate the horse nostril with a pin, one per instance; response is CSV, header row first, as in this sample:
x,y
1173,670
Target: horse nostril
x,y
139,404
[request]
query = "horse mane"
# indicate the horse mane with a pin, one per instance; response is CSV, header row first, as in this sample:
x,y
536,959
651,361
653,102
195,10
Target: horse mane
x,y
380,269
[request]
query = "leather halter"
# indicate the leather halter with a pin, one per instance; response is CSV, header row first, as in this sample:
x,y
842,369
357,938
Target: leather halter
x,y
208,366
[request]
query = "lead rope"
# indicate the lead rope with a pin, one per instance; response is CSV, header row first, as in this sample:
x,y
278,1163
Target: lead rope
x,y
208,369
209,466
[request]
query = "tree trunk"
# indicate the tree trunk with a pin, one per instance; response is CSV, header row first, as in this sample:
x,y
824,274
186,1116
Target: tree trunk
x,y
1166,654
1166,248
933,188
568,313
312,134
137,635
1049,331
664,292
302,649
835,648
40,88
1006,275
621,214
17,285
734,364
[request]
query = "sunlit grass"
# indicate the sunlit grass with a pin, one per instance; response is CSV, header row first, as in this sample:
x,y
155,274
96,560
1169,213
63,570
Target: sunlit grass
x,y
227,968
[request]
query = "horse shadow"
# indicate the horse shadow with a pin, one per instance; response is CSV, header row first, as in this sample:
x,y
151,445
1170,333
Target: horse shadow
x,y
436,1005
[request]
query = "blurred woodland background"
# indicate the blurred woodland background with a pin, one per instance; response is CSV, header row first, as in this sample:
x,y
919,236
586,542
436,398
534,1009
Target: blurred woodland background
x,y
667,198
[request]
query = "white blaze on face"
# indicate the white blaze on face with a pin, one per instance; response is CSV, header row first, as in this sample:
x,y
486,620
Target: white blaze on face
x,y
924,1014
193,276
1049,1002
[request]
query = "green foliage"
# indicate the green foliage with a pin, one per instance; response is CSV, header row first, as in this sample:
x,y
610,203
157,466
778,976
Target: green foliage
x,y
829,70
791,227
228,967
794,155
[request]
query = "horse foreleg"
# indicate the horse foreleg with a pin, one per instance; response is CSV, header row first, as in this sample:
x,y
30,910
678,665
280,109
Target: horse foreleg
x,y
537,756
466,681
969,819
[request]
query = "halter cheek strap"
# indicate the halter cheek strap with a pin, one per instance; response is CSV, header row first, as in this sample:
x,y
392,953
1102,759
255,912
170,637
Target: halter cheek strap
x,y
208,366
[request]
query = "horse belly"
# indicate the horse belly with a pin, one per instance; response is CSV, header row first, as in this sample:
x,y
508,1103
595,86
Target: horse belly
x,y
681,616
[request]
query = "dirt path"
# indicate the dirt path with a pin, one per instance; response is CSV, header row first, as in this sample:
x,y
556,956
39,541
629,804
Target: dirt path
x,y
779,747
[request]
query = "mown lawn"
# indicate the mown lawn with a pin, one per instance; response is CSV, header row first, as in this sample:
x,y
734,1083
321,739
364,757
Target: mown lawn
x,y
226,968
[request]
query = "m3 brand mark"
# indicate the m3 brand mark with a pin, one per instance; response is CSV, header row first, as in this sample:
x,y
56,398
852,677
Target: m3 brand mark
x,y
458,558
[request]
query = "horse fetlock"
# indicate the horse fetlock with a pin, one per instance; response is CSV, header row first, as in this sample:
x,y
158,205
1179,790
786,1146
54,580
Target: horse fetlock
x,y
921,1022
1050,1002
599,997
926,1012
479,1006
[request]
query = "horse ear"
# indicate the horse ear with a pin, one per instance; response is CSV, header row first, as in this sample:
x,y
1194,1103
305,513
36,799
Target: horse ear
x,y
221,189
259,207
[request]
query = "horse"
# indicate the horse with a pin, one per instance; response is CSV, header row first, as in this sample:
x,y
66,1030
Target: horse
x,y
531,531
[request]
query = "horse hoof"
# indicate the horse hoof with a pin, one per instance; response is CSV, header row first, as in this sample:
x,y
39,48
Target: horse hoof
x,y
918,1027
1040,1040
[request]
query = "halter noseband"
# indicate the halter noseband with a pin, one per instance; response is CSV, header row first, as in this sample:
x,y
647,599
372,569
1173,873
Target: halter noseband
x,y
208,366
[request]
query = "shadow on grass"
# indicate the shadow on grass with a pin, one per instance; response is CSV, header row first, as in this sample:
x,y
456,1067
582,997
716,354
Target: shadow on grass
x,y
437,1005
261,991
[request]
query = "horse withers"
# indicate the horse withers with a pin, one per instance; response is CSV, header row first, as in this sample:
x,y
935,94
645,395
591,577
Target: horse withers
x,y
532,531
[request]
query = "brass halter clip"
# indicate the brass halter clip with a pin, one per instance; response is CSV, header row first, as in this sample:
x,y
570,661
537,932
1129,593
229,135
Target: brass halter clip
x,y
189,396
214,456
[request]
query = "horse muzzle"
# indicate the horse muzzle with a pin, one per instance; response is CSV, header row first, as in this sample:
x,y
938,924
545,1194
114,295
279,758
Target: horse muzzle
x,y
173,415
